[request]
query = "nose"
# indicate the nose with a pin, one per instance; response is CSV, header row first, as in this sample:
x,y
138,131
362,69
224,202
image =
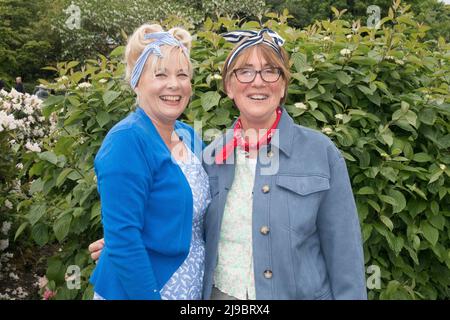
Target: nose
x,y
258,81
172,82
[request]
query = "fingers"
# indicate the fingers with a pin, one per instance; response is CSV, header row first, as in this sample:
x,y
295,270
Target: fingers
x,y
95,248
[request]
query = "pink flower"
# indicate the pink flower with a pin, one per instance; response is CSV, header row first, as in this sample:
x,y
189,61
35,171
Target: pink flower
x,y
48,294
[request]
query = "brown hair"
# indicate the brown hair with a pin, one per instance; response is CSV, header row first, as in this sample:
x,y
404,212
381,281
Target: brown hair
x,y
268,53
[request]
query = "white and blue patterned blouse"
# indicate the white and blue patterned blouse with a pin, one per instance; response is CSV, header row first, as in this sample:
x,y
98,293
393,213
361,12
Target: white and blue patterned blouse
x,y
187,282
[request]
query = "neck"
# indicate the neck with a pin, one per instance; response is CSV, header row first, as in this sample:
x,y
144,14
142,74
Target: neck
x,y
164,127
258,125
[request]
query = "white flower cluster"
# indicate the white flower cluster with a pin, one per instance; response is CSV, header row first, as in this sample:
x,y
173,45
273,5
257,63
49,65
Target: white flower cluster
x,y
9,271
23,114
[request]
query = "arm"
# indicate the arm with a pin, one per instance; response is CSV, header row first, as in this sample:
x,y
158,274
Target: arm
x,y
124,181
340,235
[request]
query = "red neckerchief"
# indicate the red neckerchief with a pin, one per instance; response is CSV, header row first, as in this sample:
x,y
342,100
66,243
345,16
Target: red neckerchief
x,y
238,140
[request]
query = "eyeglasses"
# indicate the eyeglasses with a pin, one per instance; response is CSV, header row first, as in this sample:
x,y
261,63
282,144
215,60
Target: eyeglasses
x,y
247,75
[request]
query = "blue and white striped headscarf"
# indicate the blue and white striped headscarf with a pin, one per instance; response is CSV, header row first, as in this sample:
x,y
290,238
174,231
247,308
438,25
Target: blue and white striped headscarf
x,y
253,38
162,38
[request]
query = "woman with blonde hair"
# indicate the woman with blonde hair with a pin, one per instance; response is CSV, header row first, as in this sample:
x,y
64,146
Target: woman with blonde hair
x,y
152,186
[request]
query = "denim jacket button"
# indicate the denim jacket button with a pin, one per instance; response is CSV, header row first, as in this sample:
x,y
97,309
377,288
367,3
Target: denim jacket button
x,y
265,188
268,274
264,230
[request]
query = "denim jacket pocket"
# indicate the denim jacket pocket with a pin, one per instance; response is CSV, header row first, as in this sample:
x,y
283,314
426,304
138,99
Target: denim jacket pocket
x,y
303,195
303,185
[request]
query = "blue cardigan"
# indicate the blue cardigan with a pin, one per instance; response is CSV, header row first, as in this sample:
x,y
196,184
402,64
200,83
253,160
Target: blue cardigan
x,y
146,209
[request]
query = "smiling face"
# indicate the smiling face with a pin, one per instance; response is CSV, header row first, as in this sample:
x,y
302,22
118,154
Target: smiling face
x,y
164,87
257,100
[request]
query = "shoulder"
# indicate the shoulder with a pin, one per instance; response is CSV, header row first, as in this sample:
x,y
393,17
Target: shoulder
x,y
125,140
316,142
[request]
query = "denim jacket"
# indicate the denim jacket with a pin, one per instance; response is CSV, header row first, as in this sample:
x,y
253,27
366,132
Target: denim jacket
x,y
306,234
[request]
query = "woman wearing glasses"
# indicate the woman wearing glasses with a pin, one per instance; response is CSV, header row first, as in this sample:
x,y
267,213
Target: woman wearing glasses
x,y
282,222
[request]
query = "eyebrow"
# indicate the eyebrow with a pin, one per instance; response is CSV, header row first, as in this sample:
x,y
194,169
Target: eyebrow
x,y
264,65
164,70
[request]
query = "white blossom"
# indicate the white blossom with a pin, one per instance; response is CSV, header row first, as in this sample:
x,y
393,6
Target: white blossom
x,y
34,147
13,276
327,130
8,204
4,244
339,116
300,105
84,85
345,52
6,226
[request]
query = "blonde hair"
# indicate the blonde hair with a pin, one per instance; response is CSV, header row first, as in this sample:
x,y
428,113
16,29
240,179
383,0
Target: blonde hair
x,y
137,43
265,51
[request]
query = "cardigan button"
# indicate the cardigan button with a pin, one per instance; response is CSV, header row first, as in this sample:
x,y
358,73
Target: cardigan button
x,y
264,230
268,274
270,154
265,188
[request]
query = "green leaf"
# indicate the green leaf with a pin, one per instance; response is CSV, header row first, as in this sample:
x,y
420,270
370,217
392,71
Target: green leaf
x,y
117,52
62,176
388,199
422,157
311,83
388,138
438,222
39,233
61,227
374,205
95,211
311,94
300,61
366,190
435,176
387,222
37,211
210,99
48,156
103,118
20,230
55,270
400,201
74,117
343,77
318,115
365,90
50,103
434,207
37,186
72,64
110,96
74,175
427,116
366,231
430,233
411,117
